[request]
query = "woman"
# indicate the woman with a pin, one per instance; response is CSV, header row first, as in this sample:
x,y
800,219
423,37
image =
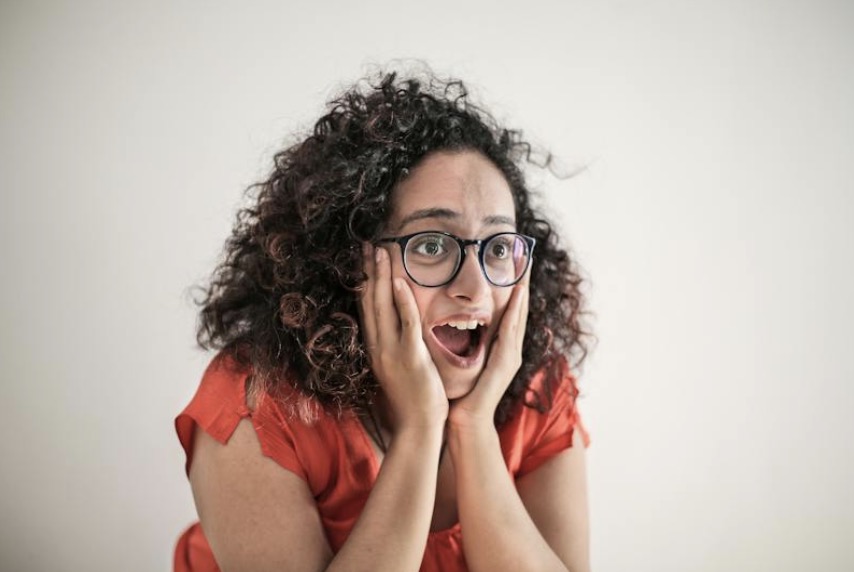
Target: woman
x,y
395,325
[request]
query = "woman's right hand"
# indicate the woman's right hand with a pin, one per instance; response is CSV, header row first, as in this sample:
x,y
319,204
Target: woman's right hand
x,y
399,357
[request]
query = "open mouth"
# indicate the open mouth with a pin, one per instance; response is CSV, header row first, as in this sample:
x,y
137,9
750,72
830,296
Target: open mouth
x,y
460,338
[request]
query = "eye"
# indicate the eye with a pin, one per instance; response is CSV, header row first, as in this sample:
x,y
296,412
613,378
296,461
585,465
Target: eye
x,y
430,245
499,248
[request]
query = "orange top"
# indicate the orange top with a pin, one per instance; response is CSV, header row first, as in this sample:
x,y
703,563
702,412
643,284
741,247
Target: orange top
x,y
335,458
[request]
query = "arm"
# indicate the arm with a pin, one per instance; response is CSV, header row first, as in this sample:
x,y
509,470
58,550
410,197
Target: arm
x,y
258,516
542,525
555,495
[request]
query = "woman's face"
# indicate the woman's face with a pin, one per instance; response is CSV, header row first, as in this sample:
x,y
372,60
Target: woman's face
x,y
465,194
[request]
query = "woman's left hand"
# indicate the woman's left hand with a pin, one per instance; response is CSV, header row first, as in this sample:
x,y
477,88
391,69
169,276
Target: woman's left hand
x,y
504,359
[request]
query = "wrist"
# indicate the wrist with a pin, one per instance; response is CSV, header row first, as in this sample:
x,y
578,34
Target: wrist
x,y
468,442
465,420
470,429
419,436
424,418
428,422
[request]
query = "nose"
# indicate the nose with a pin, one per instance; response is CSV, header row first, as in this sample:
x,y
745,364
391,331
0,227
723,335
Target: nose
x,y
470,283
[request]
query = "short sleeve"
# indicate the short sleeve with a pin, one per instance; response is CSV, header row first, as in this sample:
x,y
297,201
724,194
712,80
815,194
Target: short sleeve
x,y
550,433
220,404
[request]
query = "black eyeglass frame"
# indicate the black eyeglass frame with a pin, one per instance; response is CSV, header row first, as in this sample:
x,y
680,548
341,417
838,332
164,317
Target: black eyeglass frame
x,y
402,241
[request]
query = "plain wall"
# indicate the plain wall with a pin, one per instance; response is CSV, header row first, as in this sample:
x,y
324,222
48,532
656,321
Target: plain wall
x,y
715,222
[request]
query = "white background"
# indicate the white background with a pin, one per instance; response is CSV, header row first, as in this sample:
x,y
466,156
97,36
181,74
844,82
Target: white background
x,y
715,222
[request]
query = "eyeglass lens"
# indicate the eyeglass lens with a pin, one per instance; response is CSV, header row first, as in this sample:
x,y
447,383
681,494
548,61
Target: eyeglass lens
x,y
431,258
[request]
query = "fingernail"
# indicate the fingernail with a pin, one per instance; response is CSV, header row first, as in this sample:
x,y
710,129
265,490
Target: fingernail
x,y
379,254
398,284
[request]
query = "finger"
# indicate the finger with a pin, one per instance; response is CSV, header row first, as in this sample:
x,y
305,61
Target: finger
x,y
368,259
510,319
410,320
500,347
366,297
387,323
509,341
523,309
519,308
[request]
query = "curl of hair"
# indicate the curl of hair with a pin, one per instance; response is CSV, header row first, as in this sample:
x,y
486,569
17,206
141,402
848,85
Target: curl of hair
x,y
283,300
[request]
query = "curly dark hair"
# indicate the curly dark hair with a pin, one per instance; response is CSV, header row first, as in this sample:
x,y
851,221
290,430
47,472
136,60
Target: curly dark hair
x,y
283,300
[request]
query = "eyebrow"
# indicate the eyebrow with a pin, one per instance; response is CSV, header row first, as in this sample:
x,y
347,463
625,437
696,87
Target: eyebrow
x,y
447,214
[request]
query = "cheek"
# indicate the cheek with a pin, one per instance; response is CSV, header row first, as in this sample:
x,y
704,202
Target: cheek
x,y
423,296
501,298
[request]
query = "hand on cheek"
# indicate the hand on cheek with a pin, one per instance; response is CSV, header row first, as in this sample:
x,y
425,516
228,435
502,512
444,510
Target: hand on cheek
x,y
399,358
503,361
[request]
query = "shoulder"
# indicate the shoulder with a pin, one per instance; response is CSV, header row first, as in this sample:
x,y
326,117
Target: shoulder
x,y
545,422
552,387
288,425
249,507
230,387
550,394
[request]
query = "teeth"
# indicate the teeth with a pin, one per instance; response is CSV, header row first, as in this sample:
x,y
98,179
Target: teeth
x,y
466,325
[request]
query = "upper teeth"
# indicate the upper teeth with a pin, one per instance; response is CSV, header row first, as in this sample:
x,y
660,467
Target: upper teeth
x,y
465,325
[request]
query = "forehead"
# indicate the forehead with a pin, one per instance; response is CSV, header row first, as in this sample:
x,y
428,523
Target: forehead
x,y
465,183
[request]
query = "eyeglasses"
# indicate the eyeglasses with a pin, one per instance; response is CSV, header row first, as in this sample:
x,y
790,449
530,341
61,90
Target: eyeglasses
x,y
434,258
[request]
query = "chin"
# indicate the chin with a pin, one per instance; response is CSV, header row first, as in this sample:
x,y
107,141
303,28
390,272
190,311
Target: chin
x,y
457,383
